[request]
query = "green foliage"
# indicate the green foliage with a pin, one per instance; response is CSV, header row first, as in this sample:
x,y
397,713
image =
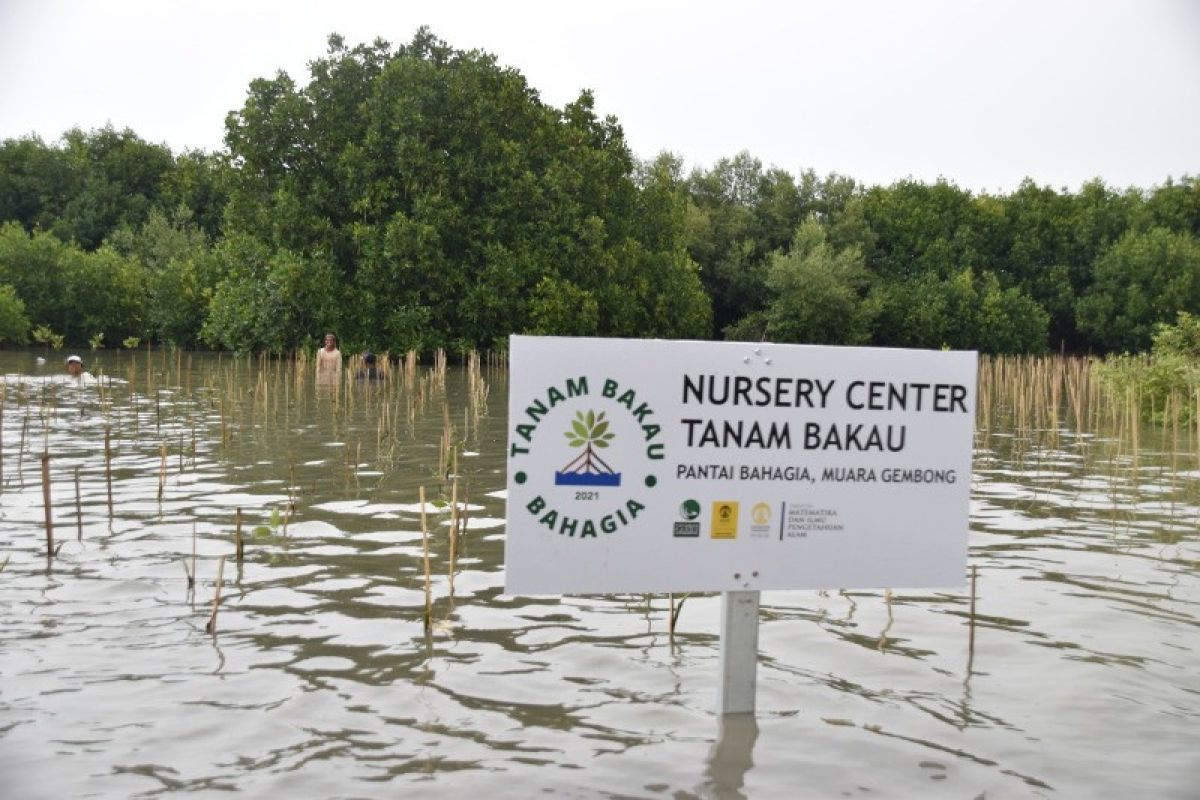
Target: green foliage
x,y
431,198
80,294
42,334
264,300
14,323
130,342
1165,382
1141,281
419,196
96,341
817,293
965,311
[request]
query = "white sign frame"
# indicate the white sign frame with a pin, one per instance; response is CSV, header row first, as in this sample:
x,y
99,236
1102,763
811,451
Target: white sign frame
x,y
842,467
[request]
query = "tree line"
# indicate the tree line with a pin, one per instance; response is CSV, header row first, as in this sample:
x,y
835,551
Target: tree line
x,y
424,197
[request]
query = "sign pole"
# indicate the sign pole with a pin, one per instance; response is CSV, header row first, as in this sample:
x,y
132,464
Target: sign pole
x,y
739,652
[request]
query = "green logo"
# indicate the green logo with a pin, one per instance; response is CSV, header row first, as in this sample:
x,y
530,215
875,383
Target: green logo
x,y
689,509
571,422
588,431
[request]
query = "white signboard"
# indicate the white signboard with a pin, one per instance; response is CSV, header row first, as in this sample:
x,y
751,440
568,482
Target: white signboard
x,y
655,466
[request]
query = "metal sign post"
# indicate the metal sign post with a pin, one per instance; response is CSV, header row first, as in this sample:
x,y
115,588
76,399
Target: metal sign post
x,y
739,652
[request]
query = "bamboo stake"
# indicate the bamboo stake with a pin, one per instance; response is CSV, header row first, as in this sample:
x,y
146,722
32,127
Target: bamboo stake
x,y
78,509
971,637
239,542
46,504
162,471
676,610
192,574
453,531
425,546
21,449
211,627
3,398
108,469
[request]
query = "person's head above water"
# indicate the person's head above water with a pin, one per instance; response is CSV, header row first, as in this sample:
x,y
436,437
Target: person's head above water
x,y
74,365
330,341
369,359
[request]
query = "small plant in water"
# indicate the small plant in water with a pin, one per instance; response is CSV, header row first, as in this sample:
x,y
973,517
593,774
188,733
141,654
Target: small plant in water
x,y
43,335
130,342
271,528
97,341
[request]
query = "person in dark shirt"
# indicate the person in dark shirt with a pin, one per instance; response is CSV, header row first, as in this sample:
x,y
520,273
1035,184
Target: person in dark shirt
x,y
369,371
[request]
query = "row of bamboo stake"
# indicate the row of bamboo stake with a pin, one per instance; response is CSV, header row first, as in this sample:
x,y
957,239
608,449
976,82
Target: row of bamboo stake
x,y
1032,395
436,378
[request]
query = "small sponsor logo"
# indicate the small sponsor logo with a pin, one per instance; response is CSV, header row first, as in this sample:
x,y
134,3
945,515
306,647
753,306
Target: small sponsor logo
x,y
689,510
687,529
724,519
760,519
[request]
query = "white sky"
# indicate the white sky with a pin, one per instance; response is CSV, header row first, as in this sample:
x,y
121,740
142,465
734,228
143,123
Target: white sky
x,y
981,93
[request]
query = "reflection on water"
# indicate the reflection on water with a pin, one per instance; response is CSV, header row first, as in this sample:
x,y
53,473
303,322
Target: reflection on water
x,y
1076,675
731,758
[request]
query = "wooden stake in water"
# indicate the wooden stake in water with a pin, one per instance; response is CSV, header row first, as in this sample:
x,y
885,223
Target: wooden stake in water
x,y
162,471
239,542
676,609
46,503
192,574
108,469
21,450
3,397
78,510
971,637
211,627
425,545
453,530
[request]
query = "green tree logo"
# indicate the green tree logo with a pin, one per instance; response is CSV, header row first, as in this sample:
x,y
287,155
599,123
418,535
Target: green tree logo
x,y
590,431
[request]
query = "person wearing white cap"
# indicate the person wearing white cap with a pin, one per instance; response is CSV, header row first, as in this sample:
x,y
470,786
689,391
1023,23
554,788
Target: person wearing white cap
x,y
75,367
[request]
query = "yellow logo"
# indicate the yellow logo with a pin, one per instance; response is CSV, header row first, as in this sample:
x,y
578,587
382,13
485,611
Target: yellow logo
x,y
724,519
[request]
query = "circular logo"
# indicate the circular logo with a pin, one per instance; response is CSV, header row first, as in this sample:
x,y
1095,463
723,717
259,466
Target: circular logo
x,y
689,509
586,456
761,513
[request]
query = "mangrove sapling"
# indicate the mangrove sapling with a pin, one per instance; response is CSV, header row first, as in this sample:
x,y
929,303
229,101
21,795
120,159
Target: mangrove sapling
x,y
453,532
47,505
238,540
3,398
108,470
673,616
211,627
425,548
971,634
191,574
21,450
78,509
162,470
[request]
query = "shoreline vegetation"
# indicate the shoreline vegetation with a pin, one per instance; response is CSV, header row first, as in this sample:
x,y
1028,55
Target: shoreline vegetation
x,y
425,198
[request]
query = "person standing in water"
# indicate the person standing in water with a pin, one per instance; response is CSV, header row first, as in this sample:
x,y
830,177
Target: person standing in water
x,y
369,371
75,368
329,361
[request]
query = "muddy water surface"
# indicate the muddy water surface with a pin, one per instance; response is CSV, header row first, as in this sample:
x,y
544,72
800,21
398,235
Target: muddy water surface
x,y
1083,679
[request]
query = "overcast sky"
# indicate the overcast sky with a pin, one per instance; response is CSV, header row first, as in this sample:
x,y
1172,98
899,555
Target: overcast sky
x,y
983,94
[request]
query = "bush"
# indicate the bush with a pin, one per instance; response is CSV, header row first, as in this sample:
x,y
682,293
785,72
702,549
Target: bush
x,y
1168,378
14,323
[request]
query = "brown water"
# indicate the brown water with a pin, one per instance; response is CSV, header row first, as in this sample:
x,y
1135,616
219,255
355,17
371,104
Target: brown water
x,y
1083,680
